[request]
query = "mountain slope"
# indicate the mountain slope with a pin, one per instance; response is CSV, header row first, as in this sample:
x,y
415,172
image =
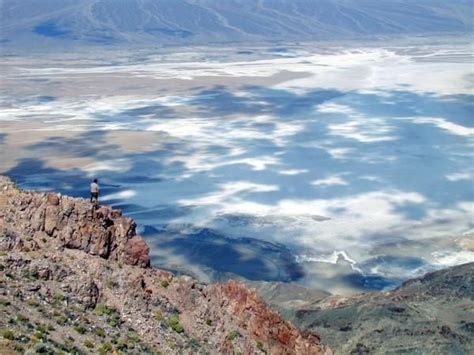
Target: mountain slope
x,y
76,279
35,22
428,315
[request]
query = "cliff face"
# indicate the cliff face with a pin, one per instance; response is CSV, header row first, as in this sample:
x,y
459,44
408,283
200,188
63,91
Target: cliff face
x,y
73,223
79,280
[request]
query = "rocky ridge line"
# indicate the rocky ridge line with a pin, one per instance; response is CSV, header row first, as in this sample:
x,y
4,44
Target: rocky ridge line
x,y
95,261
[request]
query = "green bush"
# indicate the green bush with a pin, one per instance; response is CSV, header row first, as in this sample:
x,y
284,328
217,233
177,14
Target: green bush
x,y
134,338
233,335
123,345
100,332
8,334
102,309
173,323
42,328
113,322
80,329
22,318
165,283
58,296
105,348
41,348
62,320
209,322
4,302
40,335
88,343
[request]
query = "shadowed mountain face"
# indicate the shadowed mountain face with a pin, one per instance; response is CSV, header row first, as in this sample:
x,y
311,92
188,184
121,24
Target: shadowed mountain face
x,y
160,22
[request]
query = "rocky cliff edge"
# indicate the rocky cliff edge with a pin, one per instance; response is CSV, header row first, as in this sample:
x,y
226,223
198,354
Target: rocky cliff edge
x,y
77,279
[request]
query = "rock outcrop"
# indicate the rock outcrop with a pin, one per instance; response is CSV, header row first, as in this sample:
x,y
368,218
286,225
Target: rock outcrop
x,y
74,223
79,279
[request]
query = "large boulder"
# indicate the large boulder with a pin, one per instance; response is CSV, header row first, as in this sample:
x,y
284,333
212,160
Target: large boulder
x,y
137,252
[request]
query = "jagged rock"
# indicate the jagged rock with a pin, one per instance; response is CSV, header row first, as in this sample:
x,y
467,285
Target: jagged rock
x,y
137,252
103,232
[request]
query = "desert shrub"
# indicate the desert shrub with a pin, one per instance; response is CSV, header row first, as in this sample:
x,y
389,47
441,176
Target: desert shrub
x,y
134,338
40,335
88,343
102,309
209,322
164,283
58,296
22,318
62,320
261,347
8,334
105,348
4,302
123,345
80,329
233,334
113,322
173,323
41,328
41,348
99,332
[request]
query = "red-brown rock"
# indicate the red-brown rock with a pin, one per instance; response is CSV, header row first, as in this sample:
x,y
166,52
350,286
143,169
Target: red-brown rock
x,y
137,252
263,324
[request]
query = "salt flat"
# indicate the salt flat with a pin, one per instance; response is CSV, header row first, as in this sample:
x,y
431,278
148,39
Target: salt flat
x,y
336,167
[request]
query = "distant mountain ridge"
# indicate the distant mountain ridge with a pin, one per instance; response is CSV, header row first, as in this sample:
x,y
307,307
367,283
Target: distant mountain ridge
x,y
164,22
431,314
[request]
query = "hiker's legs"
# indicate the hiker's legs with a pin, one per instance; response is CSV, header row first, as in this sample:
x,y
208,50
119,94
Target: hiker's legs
x,y
95,197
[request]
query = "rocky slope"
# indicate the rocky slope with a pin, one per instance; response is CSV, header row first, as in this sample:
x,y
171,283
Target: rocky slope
x,y
78,280
433,314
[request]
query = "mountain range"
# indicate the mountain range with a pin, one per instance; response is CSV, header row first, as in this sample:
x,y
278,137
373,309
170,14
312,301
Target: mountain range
x,y
38,23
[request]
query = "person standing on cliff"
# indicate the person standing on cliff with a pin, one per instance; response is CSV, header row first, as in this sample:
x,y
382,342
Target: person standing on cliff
x,y
95,191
